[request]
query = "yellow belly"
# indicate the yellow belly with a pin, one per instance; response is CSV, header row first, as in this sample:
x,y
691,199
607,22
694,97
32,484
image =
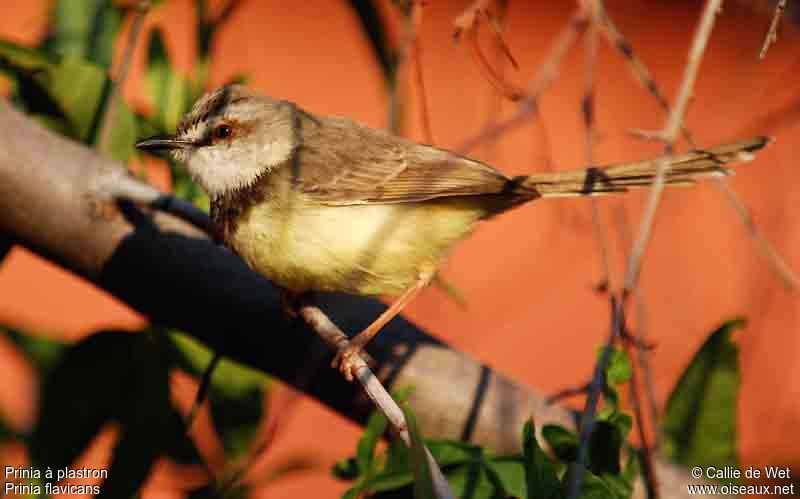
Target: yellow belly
x,y
362,249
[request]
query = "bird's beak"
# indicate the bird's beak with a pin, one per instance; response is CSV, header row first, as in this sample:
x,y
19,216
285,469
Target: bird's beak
x,y
162,143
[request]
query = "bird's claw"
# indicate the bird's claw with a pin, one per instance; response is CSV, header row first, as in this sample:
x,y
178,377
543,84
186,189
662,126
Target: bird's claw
x,y
346,361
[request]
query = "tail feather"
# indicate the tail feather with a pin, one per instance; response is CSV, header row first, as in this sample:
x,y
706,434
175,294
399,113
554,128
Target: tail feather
x,y
683,169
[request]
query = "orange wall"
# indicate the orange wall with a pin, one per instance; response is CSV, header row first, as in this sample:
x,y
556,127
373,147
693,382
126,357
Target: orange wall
x,y
527,275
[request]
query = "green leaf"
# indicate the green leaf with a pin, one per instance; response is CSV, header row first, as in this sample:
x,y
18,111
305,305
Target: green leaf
x,y
423,479
540,474
471,481
85,29
563,442
619,367
450,452
700,418
398,459
383,482
84,391
594,487
509,475
124,134
78,88
146,416
68,95
236,395
345,469
43,353
605,446
365,451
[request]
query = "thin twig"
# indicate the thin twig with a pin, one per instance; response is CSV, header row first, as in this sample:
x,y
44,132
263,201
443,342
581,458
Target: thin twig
x,y
202,390
593,399
648,469
338,341
109,118
643,354
412,46
640,71
775,260
587,108
668,135
548,72
567,393
467,24
772,34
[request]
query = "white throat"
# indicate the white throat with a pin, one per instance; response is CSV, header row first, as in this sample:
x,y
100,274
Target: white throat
x,y
221,169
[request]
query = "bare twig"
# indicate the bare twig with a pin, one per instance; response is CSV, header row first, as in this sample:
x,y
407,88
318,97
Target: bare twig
x,y
467,24
412,47
548,72
567,393
202,391
338,341
772,34
640,71
648,469
643,354
668,135
774,258
587,108
109,118
593,399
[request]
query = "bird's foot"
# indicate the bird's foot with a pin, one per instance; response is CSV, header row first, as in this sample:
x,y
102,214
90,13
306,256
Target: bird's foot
x,y
347,360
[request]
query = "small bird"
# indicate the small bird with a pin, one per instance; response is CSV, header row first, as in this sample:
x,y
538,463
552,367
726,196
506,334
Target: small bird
x,y
319,203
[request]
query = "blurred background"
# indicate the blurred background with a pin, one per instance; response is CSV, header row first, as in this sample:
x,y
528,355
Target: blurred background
x,y
527,277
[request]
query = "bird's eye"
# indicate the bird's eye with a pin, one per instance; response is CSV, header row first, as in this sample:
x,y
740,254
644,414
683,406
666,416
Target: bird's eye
x,y
223,131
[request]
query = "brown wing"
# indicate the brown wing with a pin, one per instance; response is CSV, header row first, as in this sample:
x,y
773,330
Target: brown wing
x,y
344,163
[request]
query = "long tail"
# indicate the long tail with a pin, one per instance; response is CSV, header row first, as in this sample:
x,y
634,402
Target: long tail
x,y
683,169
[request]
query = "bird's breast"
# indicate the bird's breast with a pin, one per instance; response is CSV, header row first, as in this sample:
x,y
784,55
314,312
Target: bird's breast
x,y
370,249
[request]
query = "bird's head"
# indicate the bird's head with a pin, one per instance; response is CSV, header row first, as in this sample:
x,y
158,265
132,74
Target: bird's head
x,y
230,138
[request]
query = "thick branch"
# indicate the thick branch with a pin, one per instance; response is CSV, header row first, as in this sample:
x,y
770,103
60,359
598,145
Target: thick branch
x,y
55,200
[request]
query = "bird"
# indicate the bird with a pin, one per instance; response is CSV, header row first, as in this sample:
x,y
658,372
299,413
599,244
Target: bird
x,y
324,204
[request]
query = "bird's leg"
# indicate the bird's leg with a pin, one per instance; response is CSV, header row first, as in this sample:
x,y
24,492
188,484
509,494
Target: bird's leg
x,y
290,301
345,357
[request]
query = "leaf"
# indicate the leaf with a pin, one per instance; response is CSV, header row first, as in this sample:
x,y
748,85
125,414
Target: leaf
x,y
43,353
235,396
450,452
594,487
540,474
509,475
68,95
563,442
365,450
345,469
84,391
471,481
605,446
85,29
423,479
700,417
78,88
146,417
619,367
